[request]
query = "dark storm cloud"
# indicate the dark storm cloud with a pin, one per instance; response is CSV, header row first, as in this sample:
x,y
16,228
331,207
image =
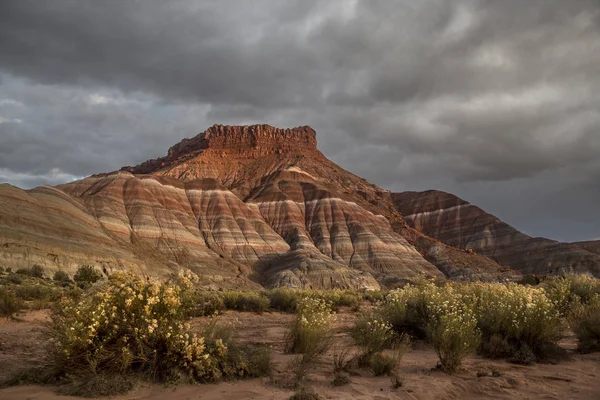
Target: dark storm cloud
x,y
496,101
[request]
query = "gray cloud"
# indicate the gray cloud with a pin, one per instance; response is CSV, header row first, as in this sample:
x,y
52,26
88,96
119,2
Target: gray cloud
x,y
496,101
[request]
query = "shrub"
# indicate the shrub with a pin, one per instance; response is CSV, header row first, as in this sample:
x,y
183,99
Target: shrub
x,y
86,275
586,325
381,364
406,309
245,301
205,304
336,298
283,299
36,271
372,335
374,296
350,299
61,276
135,326
530,280
9,303
452,329
14,278
340,379
567,291
311,329
305,394
511,316
37,292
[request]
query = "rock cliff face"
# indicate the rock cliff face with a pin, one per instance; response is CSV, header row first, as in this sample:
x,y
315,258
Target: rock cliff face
x,y
248,206
462,225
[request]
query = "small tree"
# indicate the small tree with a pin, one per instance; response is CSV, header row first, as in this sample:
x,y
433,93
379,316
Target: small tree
x,y
87,274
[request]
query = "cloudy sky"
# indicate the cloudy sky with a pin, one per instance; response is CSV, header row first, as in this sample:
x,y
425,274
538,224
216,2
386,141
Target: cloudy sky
x,y
497,101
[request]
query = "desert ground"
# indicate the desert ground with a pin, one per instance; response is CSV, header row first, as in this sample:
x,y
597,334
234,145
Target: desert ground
x,y
22,345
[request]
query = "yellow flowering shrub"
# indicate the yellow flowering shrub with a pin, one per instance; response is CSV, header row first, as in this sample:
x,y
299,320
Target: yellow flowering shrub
x,y
569,290
311,329
406,308
132,325
452,327
514,317
373,334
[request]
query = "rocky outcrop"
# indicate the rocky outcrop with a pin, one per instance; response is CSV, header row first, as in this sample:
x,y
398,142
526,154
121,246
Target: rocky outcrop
x,y
462,225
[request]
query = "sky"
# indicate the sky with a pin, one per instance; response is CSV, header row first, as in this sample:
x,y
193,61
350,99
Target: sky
x,y
496,101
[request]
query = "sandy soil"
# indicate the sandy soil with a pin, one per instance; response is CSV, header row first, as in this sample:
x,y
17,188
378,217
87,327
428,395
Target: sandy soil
x,y
21,345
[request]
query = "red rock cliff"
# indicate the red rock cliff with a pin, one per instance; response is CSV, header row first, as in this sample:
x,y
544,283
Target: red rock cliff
x,y
246,141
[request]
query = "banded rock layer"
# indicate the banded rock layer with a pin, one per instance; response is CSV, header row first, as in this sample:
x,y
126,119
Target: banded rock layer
x,y
248,206
465,226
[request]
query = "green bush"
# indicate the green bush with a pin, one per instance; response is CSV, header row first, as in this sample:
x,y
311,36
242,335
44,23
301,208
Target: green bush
x,y
61,276
136,326
205,304
32,291
14,278
586,325
86,275
36,271
374,296
283,299
9,303
245,301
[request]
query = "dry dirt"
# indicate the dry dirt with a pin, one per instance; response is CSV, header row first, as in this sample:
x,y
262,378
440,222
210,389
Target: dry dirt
x,y
21,345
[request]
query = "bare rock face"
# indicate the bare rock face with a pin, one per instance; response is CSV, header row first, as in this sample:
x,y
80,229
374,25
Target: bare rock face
x,y
239,205
592,246
462,225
